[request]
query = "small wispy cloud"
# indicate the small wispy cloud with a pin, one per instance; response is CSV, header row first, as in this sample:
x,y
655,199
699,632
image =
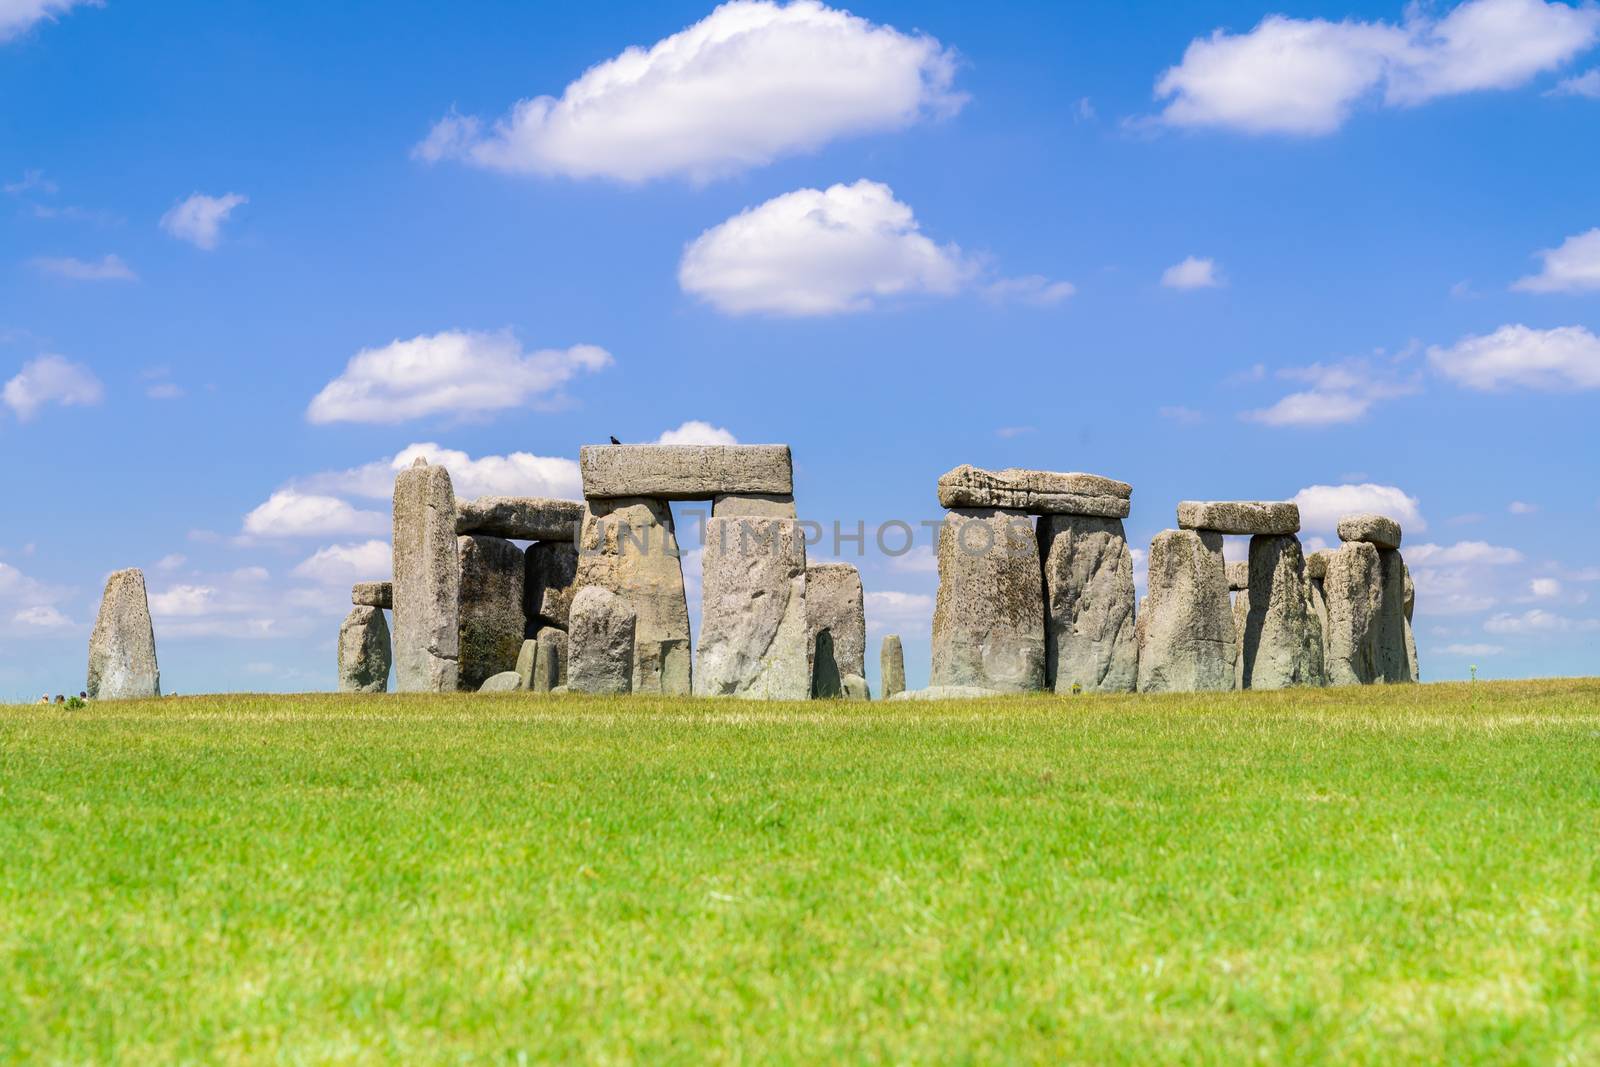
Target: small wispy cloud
x,y
108,268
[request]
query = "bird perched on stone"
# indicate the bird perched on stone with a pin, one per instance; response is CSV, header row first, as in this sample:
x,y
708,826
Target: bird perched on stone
x,y
614,440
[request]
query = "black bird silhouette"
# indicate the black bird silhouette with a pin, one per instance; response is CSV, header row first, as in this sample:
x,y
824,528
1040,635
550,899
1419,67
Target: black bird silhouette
x,y
614,440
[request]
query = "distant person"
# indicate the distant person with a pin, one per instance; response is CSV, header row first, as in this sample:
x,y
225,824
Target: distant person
x,y
60,699
45,699
83,695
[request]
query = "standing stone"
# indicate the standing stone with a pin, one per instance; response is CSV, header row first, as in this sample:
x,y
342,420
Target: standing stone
x,y
836,623
490,617
364,657
527,663
602,635
1189,639
551,666
1354,591
122,648
988,617
753,633
1392,640
1317,600
427,581
1090,635
1411,637
628,545
549,585
854,687
1241,616
1282,643
892,666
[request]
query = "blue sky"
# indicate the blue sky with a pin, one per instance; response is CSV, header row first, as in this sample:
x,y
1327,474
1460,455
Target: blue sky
x,y
252,254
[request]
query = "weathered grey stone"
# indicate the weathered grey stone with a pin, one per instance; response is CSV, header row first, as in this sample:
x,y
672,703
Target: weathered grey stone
x,y
490,617
1189,641
629,546
1240,516
520,518
1034,492
549,583
1317,600
1377,530
764,505
1317,565
551,665
947,692
1241,616
1090,635
1411,637
528,663
855,687
1238,576
122,647
684,472
1282,642
1391,642
988,617
753,635
372,594
427,581
1353,589
504,682
836,624
364,656
892,666
602,638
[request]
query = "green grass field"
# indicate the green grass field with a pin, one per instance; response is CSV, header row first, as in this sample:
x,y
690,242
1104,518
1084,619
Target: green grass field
x,y
1372,875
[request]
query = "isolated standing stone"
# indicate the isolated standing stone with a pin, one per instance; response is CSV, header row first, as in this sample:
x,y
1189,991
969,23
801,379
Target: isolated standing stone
x,y
628,546
1377,530
1090,635
491,620
1395,660
372,594
836,622
685,472
527,663
1411,637
122,648
1354,591
753,632
364,657
1240,516
602,642
427,581
551,666
520,518
1189,641
1035,492
892,666
988,617
1282,643
504,682
550,583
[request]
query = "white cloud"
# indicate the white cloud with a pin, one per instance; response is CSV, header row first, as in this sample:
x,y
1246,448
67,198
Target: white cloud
x,y
1322,506
1306,76
1571,268
18,16
108,268
1340,393
749,83
51,380
1536,620
171,561
696,432
199,219
919,559
905,613
1585,84
819,252
340,564
1009,432
1544,588
1034,289
41,617
515,474
290,513
1192,273
1476,553
183,600
1472,650
1558,360
455,372
1522,507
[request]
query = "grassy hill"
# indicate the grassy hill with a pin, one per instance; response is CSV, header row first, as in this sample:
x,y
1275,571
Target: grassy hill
x,y
1362,875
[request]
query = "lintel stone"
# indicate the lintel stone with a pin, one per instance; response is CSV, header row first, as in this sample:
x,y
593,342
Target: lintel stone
x,y
1270,517
685,472
520,518
1035,492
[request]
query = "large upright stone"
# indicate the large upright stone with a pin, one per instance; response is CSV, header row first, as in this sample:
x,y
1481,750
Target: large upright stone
x,y
753,633
520,518
1282,642
988,617
1392,640
836,621
602,642
1353,589
629,546
1411,637
364,656
685,472
490,617
1189,642
550,583
427,581
1240,516
553,656
1034,492
1090,636
892,666
122,648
